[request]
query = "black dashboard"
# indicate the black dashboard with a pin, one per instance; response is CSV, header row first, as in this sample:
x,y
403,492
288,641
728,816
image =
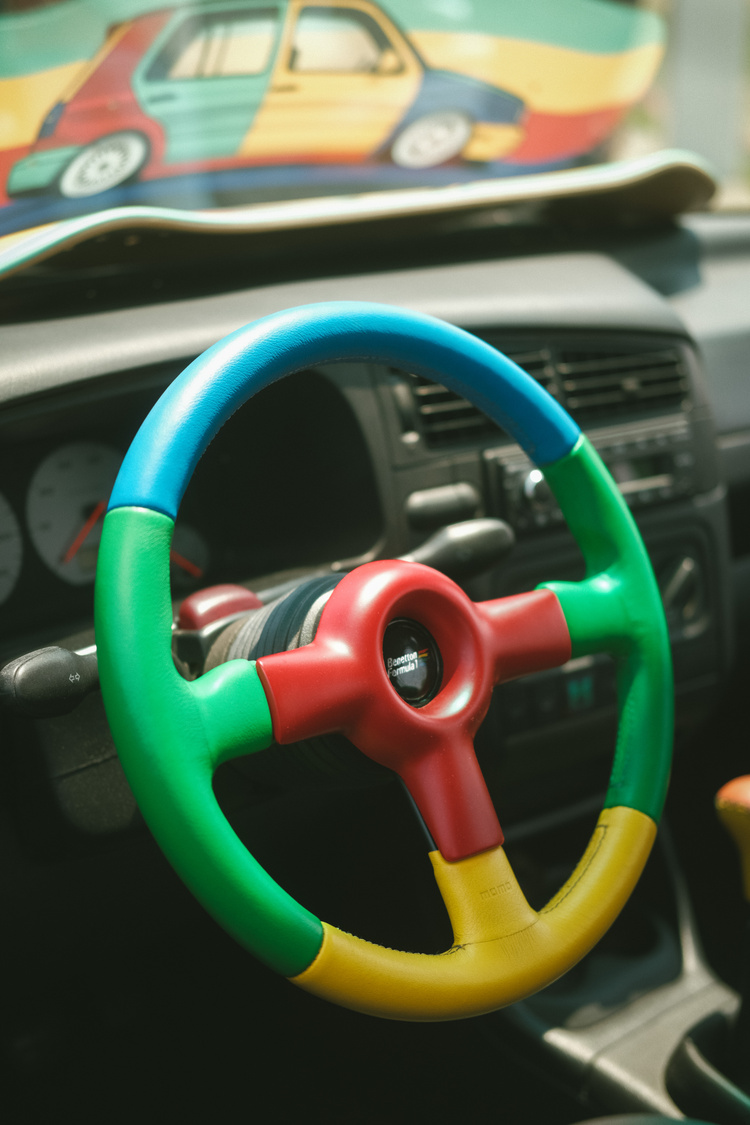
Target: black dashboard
x,y
355,461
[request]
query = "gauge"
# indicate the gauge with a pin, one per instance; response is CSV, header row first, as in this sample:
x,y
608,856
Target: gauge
x,y
188,557
11,549
65,505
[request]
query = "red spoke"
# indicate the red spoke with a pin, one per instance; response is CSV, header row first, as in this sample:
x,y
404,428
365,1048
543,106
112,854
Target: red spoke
x,y
450,792
311,691
528,633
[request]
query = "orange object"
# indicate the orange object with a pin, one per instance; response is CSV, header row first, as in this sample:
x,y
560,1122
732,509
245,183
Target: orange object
x,y
733,806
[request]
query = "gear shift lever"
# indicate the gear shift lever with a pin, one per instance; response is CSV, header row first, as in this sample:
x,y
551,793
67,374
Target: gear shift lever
x,y
733,806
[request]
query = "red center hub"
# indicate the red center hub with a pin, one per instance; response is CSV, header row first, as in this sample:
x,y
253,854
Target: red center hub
x,y
342,682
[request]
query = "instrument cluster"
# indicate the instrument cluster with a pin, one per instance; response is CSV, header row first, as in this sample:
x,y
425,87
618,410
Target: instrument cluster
x,y
64,507
59,457
281,486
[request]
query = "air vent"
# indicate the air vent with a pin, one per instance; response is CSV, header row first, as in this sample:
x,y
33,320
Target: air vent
x,y
593,385
600,384
446,418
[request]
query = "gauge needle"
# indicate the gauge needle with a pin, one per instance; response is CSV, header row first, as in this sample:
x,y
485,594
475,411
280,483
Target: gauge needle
x,y
85,531
180,560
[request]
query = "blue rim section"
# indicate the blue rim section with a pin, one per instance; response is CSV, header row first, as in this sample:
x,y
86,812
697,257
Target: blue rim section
x,y
166,449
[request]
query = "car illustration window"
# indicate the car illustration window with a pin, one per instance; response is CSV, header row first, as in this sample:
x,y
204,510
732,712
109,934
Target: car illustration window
x,y
218,45
340,40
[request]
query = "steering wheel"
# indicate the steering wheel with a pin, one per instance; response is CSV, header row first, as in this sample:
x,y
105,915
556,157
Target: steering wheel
x,y
403,663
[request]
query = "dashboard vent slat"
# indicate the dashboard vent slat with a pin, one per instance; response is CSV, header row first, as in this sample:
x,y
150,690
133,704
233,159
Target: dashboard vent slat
x,y
603,383
594,384
446,418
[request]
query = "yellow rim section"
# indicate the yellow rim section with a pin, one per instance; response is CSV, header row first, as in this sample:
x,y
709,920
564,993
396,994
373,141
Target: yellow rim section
x,y
502,949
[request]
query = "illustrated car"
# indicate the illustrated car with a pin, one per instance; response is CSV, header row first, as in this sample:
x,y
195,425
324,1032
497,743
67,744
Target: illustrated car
x,y
291,83
356,557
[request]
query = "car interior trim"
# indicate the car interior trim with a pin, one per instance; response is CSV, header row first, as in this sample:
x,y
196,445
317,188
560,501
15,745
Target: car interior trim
x,y
526,291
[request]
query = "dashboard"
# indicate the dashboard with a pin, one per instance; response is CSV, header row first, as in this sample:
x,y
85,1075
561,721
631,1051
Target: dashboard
x,y
356,461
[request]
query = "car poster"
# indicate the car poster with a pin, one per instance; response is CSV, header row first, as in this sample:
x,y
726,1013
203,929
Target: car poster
x,y
225,102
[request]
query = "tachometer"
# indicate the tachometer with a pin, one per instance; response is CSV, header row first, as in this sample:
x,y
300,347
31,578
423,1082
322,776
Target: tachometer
x,y
11,549
65,506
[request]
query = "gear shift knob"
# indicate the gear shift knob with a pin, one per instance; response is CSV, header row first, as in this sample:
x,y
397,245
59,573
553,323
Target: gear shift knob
x,y
733,806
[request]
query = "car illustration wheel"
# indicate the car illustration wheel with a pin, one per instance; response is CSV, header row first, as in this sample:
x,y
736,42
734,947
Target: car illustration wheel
x,y
432,139
103,165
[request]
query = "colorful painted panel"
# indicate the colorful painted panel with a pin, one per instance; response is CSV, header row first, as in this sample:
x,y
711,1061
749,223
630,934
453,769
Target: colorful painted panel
x,y
105,102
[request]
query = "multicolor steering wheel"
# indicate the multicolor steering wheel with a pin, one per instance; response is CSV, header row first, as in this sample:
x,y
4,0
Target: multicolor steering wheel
x,y
403,663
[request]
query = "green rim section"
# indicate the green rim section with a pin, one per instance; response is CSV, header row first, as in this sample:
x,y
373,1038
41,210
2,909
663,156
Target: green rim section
x,y
617,609
171,735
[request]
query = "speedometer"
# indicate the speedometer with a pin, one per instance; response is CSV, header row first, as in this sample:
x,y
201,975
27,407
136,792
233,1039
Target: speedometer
x,y
65,505
11,549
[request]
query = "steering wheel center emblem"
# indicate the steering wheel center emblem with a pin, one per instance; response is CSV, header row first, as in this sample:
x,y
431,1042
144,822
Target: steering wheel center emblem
x,y
412,661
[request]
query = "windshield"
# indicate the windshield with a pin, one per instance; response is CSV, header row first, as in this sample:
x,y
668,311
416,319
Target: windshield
x,y
224,103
